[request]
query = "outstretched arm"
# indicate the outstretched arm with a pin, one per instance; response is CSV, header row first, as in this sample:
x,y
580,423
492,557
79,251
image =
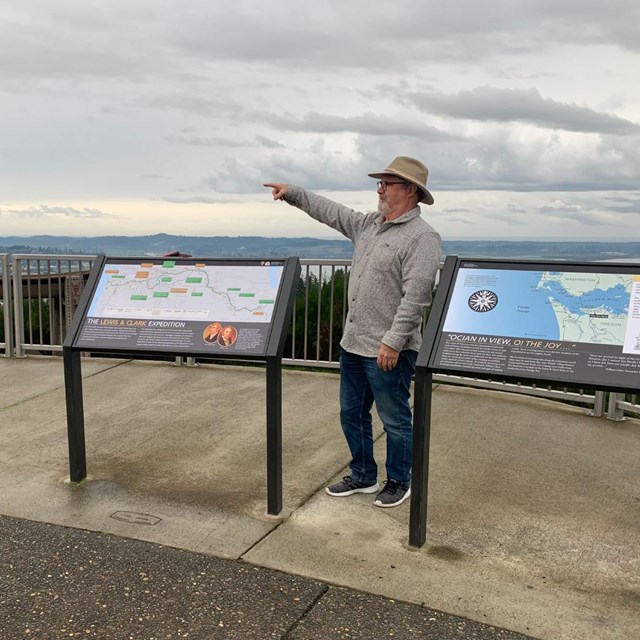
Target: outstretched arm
x,y
337,216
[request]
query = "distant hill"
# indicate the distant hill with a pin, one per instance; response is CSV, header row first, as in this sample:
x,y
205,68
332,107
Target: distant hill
x,y
311,248
159,244
553,250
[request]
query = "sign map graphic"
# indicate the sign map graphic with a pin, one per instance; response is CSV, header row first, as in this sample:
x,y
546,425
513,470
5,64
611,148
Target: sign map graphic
x,y
579,307
178,291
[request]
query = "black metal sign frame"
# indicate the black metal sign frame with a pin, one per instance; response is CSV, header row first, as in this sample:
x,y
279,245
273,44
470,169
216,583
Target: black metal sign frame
x,y
131,325
495,318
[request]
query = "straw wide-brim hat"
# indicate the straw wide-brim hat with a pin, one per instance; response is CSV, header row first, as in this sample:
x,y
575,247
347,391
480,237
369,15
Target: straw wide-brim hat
x,y
412,171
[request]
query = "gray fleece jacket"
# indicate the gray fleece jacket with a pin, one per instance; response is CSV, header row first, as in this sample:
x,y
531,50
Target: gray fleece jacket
x,y
392,276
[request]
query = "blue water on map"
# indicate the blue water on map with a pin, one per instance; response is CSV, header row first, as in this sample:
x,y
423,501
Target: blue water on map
x,y
99,291
524,307
613,300
275,273
518,312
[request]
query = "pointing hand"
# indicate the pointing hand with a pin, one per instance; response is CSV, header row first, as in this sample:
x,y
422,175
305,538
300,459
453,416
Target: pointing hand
x,y
279,189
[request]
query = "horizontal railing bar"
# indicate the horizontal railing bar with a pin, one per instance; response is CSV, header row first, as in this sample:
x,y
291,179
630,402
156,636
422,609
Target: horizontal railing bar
x,y
83,257
317,364
628,406
324,263
32,346
516,388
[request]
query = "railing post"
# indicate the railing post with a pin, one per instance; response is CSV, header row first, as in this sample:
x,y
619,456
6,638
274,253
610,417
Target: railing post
x,y
614,412
598,405
18,313
7,302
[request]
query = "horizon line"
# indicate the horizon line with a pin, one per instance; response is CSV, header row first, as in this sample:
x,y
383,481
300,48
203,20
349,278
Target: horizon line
x,y
332,238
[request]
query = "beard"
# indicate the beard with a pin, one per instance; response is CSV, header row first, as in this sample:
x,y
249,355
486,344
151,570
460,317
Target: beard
x,y
383,206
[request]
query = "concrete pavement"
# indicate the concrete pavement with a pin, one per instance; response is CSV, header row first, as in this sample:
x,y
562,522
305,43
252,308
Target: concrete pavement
x,y
534,507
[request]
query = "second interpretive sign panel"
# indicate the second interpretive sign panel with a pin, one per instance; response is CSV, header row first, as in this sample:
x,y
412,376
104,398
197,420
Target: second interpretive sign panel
x,y
573,323
199,306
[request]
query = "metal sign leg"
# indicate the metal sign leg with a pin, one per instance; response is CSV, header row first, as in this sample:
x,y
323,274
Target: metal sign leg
x,y
75,415
420,468
274,436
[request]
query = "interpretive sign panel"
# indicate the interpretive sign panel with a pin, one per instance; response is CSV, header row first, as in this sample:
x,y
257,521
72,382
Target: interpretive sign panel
x,y
233,309
573,323
188,306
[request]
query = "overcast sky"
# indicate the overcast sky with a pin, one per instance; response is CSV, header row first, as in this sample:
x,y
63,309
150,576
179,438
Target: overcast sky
x,y
130,117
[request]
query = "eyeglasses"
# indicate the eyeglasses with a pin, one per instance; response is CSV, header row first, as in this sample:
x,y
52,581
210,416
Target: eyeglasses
x,y
383,184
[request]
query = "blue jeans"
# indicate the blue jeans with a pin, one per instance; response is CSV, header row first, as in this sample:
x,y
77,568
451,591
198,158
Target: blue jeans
x,y
361,383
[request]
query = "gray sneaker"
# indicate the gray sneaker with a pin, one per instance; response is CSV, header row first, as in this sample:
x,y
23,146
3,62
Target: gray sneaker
x,y
393,494
348,486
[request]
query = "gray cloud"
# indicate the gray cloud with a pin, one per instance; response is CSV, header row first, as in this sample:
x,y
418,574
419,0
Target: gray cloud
x,y
521,105
320,169
494,162
144,39
234,176
221,141
199,199
268,143
66,40
367,123
464,30
199,141
461,218
620,204
191,103
585,214
44,210
561,207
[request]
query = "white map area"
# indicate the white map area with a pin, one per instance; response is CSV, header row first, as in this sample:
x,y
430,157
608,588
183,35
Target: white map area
x,y
632,337
223,293
589,307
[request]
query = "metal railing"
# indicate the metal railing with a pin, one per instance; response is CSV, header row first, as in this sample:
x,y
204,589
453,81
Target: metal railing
x,y
46,292
40,293
314,343
597,401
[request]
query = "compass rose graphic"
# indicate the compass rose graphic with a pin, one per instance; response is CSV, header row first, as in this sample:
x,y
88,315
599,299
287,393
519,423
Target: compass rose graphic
x,y
482,301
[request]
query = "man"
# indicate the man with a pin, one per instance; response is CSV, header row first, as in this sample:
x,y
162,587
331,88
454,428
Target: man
x,y
210,334
395,261
227,336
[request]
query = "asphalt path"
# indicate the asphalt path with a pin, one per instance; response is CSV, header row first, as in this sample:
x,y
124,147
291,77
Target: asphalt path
x,y
58,582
